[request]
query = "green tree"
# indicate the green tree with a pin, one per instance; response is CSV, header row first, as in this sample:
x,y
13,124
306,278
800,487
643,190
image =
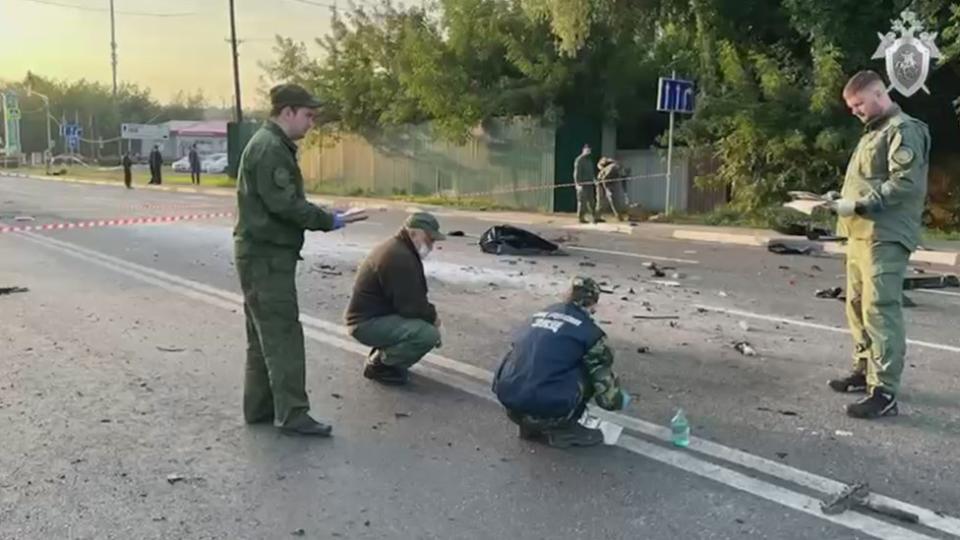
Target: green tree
x,y
769,74
92,105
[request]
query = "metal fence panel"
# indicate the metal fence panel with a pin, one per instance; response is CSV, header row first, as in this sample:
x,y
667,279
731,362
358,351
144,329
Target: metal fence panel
x,y
508,162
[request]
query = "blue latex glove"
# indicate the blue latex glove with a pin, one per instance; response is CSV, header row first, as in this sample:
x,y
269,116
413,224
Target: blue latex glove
x,y
626,399
338,220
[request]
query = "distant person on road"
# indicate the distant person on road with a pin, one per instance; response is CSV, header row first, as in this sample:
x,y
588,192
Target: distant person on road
x,y
272,215
127,164
558,362
583,179
879,209
194,159
610,171
156,166
389,310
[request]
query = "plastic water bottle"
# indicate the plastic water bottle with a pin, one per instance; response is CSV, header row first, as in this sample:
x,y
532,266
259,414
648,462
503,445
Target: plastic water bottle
x,y
681,429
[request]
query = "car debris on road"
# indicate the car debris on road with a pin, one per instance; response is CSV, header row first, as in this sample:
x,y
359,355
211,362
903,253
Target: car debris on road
x,y
858,496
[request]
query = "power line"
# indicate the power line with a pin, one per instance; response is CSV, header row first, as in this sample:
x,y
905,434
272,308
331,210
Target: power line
x,y
315,4
104,10
370,3
238,112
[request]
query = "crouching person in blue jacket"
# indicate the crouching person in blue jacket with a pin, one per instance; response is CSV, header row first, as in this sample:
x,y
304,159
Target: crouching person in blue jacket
x,y
558,362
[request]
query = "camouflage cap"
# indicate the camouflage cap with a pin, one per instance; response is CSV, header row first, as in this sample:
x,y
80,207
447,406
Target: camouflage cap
x,y
425,222
293,95
585,290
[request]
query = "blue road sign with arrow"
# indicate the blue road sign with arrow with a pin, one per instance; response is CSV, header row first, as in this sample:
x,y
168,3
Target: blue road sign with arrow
x,y
675,95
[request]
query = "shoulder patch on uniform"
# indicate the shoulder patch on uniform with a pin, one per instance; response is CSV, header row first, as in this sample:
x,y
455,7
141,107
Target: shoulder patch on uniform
x,y
903,156
281,176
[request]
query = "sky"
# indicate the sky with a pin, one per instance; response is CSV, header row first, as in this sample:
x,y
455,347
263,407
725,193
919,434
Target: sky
x,y
163,53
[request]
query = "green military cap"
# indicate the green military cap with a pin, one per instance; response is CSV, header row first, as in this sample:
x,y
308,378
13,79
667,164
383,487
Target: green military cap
x,y
293,95
425,222
586,290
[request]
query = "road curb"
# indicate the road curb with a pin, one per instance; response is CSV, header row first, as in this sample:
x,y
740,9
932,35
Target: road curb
x,y
722,237
621,228
945,258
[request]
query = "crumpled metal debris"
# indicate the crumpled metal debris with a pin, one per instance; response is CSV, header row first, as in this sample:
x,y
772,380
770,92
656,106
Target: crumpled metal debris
x,y
174,478
830,292
781,247
12,290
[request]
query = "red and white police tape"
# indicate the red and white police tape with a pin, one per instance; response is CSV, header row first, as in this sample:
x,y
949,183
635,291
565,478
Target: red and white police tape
x,y
113,222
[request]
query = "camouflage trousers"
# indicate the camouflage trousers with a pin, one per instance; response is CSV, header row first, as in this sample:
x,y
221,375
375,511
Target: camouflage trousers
x,y
274,381
541,424
875,272
399,341
616,197
587,201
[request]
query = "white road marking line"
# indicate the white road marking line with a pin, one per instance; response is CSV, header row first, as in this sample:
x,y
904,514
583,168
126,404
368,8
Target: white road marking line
x,y
835,329
678,459
321,330
775,469
771,492
635,255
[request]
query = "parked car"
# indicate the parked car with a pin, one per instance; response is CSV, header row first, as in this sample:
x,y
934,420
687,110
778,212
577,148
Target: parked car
x,y
215,164
182,164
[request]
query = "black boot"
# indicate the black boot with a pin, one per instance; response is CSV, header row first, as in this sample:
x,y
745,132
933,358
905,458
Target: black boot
x,y
879,403
376,370
529,434
855,382
305,426
575,435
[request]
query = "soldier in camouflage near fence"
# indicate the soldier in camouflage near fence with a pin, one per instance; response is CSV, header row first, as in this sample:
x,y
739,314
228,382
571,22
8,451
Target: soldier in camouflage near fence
x,y
610,185
583,179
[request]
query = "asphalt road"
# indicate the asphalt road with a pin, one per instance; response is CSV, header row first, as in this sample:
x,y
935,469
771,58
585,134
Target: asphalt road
x,y
122,365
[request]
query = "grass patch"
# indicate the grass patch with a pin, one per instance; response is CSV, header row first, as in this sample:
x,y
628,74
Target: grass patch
x,y
782,220
469,203
943,236
140,176
466,203
776,218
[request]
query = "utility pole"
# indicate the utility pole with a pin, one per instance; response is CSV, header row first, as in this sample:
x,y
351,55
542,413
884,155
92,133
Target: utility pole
x,y
669,198
113,48
46,106
113,61
238,113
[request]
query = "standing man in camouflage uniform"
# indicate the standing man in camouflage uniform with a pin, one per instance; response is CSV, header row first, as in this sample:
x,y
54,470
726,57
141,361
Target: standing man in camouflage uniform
x,y
559,361
272,215
880,209
583,178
